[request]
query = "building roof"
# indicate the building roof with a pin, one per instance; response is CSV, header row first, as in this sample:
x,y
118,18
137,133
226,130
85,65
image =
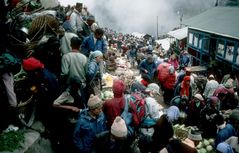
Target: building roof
x,y
219,20
164,42
179,33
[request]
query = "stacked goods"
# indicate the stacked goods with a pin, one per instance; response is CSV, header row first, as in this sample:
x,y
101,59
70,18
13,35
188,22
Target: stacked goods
x,y
205,146
181,131
111,65
106,95
107,80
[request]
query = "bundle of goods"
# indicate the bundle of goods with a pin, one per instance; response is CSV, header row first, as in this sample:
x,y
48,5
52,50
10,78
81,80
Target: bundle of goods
x,y
107,80
122,63
41,25
110,65
107,94
124,72
205,146
181,131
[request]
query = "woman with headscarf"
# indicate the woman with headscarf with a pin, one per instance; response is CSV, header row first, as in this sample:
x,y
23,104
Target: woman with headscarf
x,y
184,89
207,115
94,72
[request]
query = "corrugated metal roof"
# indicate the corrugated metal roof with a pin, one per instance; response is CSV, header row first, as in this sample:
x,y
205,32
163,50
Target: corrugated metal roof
x,y
219,20
179,33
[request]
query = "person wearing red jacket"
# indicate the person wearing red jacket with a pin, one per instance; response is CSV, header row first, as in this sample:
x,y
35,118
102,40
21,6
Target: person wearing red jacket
x,y
167,79
115,106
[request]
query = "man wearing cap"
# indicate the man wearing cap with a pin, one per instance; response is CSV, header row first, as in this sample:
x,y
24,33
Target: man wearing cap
x,y
152,108
91,122
210,87
113,141
86,26
194,137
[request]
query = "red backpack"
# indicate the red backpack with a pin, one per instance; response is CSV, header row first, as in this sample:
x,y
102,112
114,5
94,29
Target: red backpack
x,y
137,105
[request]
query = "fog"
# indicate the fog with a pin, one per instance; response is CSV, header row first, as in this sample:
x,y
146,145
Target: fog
x,y
129,16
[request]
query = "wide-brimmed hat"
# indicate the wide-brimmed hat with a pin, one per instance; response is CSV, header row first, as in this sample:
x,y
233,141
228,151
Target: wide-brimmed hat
x,y
153,87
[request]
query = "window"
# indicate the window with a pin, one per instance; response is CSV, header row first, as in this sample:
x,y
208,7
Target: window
x,y
229,51
220,48
205,44
195,43
200,42
190,40
237,56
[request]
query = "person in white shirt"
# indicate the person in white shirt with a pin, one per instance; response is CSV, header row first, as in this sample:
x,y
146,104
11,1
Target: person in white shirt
x,y
76,20
211,86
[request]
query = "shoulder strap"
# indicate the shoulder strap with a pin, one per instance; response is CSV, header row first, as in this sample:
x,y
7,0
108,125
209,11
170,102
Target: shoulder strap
x,y
98,69
126,107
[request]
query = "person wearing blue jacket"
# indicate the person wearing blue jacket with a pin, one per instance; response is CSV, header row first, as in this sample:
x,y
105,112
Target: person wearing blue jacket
x,y
91,122
94,73
94,42
148,67
225,130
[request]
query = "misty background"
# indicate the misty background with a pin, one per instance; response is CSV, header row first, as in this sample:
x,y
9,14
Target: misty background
x,y
141,15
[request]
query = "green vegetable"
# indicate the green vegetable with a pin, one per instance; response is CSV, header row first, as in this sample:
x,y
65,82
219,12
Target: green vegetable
x,y
211,141
102,96
108,94
202,150
11,141
206,143
200,145
209,148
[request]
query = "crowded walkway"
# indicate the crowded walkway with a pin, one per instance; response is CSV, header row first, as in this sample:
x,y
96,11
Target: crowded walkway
x,y
98,90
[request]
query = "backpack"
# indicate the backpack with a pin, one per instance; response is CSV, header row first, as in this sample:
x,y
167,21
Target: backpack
x,y
127,117
9,63
137,104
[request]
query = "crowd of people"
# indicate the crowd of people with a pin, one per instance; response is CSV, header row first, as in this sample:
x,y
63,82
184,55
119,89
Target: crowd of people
x,y
70,62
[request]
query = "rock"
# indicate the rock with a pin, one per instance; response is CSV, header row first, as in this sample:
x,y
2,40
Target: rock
x,y
38,126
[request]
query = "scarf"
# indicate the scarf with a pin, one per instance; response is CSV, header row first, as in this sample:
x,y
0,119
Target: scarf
x,y
185,87
224,147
